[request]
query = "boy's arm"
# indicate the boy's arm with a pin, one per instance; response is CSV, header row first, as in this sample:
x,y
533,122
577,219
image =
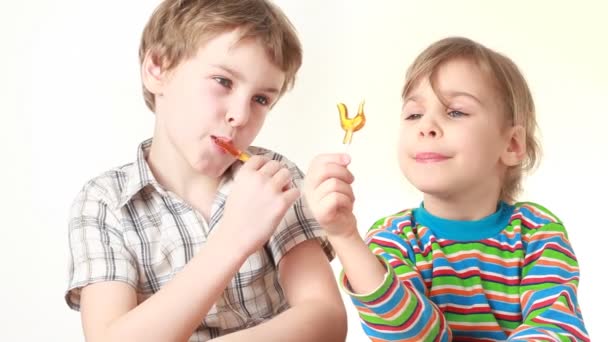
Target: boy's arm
x,y
110,312
316,310
548,289
387,290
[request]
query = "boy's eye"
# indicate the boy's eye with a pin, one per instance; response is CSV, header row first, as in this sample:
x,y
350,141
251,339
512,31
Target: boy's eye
x,y
263,100
412,116
223,81
456,114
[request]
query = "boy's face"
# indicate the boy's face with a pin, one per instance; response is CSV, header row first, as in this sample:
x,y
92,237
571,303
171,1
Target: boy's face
x,y
458,149
225,90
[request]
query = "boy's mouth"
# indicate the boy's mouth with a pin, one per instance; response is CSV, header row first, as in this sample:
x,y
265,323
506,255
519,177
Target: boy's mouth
x,y
221,138
225,144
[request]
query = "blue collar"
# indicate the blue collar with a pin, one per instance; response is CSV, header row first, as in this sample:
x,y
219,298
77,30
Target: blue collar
x,y
484,228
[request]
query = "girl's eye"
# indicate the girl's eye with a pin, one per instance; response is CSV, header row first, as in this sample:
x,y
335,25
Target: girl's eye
x,y
456,114
412,116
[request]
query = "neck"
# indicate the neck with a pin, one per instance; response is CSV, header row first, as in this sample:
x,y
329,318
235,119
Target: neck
x,y
465,206
175,174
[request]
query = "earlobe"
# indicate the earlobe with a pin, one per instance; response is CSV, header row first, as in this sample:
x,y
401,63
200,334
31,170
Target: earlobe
x,y
516,146
152,73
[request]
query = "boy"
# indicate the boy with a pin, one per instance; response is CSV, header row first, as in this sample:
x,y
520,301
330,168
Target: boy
x,y
185,243
469,263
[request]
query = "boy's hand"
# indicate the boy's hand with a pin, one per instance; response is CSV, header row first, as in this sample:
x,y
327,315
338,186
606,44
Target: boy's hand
x,y
328,191
260,196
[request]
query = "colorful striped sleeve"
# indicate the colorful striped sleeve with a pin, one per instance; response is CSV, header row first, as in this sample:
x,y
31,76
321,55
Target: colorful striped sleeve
x,y
398,310
548,288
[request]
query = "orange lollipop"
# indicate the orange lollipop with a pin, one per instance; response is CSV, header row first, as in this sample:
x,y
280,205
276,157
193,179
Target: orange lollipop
x,y
229,148
351,125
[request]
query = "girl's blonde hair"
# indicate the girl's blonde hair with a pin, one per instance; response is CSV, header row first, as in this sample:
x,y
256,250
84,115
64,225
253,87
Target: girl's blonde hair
x,y
510,85
178,28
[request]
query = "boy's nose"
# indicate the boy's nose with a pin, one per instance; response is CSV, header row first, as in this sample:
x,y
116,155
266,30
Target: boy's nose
x,y
238,115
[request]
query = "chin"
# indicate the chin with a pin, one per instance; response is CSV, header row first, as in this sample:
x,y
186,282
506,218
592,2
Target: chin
x,y
207,168
433,190
429,185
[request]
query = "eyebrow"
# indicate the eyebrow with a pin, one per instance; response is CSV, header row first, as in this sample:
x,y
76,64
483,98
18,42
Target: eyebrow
x,y
240,77
462,93
415,98
412,98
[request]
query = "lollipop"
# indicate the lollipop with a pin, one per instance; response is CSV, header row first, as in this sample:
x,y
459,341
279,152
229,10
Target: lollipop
x,y
351,125
229,148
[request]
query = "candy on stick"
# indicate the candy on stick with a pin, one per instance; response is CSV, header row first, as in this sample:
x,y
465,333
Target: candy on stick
x,y
229,148
351,125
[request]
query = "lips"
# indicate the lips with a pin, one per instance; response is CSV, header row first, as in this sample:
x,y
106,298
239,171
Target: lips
x,y
225,145
221,142
222,138
429,157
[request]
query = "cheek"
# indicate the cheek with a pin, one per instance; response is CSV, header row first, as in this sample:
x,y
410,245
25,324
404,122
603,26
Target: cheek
x,y
247,133
188,122
191,96
407,138
201,109
403,163
482,148
211,90
255,125
403,152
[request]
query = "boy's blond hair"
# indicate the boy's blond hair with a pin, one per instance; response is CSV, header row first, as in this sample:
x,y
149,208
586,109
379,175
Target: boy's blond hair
x,y
178,28
510,86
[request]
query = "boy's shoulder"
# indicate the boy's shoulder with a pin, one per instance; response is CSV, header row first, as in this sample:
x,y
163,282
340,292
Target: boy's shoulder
x,y
108,187
262,151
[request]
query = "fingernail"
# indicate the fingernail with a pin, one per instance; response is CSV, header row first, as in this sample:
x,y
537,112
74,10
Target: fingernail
x,y
345,159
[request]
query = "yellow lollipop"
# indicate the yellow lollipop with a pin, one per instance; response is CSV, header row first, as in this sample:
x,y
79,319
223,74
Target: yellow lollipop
x,y
351,125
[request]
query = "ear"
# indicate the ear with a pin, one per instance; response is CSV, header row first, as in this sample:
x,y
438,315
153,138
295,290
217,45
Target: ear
x,y
515,150
152,74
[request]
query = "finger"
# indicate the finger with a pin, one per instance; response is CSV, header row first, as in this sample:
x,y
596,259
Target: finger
x,y
270,168
255,162
328,171
335,202
333,158
282,179
335,185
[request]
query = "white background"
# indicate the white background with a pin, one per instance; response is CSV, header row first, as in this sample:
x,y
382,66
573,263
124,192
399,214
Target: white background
x,y
71,108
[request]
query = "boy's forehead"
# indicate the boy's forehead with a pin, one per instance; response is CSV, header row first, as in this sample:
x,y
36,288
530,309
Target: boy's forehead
x,y
221,42
244,58
228,43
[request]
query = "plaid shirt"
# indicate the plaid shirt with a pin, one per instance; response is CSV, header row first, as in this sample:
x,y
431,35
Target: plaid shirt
x,y
125,227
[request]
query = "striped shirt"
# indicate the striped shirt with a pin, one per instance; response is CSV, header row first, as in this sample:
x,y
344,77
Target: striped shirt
x,y
510,276
125,227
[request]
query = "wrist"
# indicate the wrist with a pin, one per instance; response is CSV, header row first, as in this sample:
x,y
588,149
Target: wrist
x,y
345,238
240,248
364,270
